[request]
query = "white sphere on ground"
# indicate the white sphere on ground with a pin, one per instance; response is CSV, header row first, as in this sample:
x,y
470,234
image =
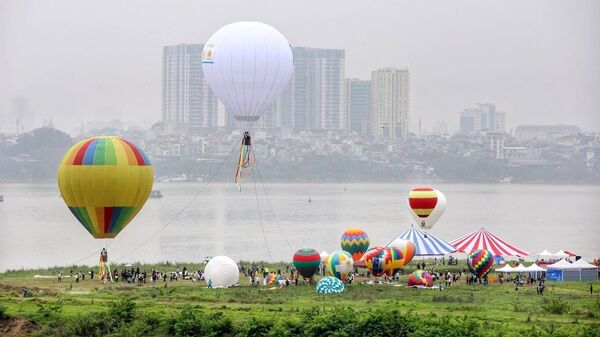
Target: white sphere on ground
x,y
222,271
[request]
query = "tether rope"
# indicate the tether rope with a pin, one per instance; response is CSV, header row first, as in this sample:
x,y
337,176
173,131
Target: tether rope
x,y
183,209
273,212
262,226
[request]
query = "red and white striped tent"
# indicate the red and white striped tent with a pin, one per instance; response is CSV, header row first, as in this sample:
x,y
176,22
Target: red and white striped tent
x,y
482,239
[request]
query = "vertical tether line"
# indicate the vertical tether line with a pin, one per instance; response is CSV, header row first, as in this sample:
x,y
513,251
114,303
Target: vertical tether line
x,y
262,226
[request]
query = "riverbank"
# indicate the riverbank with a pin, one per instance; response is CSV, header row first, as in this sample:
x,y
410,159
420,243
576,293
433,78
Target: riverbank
x,y
186,308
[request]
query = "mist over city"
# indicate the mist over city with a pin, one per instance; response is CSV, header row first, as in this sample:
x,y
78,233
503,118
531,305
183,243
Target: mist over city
x,y
505,103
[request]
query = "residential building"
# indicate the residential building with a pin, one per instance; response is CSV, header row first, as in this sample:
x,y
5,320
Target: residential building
x,y
186,96
357,105
390,103
313,99
484,118
545,133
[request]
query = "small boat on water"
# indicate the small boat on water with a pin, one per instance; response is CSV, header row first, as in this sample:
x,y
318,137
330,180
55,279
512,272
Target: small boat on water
x,y
156,194
1,198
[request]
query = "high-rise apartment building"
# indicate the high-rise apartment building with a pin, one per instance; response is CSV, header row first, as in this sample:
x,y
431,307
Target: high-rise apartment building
x,y
390,103
313,99
357,105
186,97
484,118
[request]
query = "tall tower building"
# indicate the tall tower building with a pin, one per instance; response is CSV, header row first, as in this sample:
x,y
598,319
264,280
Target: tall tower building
x,y
357,106
484,118
313,99
390,103
21,118
186,97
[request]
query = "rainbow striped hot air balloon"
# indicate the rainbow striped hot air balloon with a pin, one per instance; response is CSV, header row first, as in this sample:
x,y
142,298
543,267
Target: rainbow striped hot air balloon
x,y
339,264
426,205
406,247
356,242
306,261
105,181
420,278
480,262
381,260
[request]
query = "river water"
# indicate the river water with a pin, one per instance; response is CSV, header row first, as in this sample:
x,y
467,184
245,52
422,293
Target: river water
x,y
37,230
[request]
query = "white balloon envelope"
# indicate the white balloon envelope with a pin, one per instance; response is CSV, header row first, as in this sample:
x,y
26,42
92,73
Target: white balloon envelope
x,y
222,271
247,65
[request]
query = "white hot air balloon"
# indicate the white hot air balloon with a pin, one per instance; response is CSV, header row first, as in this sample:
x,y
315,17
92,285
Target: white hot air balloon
x,y
222,271
247,65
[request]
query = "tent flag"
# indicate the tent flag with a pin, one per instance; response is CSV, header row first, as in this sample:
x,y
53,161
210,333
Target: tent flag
x,y
482,239
426,244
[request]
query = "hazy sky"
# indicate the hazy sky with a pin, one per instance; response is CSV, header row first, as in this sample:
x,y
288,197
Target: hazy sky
x,y
537,60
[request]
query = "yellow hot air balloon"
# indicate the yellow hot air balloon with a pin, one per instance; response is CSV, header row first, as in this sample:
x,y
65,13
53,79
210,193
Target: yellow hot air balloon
x,y
105,181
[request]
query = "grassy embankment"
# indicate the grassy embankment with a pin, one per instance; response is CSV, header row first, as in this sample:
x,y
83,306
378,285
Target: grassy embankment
x,y
55,308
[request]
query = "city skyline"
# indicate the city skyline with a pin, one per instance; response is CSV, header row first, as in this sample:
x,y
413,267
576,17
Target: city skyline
x,y
471,62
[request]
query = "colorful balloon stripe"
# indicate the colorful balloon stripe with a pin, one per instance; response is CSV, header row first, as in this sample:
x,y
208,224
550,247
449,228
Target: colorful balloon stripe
x,y
105,151
480,262
104,222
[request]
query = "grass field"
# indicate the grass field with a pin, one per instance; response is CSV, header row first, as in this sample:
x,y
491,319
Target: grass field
x,y
184,308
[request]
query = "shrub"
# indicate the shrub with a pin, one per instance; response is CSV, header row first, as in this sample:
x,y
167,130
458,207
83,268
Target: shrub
x,y
556,306
193,322
3,314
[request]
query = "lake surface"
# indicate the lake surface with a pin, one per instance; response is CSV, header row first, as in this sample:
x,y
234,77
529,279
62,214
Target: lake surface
x,y
37,229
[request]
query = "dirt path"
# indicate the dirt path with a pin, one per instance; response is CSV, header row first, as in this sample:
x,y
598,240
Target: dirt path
x,y
15,327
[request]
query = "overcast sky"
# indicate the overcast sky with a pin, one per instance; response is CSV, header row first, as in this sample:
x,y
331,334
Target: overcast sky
x,y
539,61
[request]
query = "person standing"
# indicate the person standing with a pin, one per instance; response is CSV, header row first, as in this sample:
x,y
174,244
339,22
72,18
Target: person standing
x,y
591,289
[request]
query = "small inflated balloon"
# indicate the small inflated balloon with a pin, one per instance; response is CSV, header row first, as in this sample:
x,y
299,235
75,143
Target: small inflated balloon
x,y
480,262
247,65
406,247
420,278
373,260
221,271
105,181
339,264
426,206
307,261
330,285
383,260
356,242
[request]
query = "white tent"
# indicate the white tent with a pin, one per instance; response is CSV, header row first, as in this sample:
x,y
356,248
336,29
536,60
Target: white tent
x,y
545,254
520,268
506,269
583,264
535,268
561,254
566,271
562,264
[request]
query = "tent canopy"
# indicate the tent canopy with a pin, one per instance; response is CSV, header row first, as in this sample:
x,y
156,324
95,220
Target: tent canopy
x,y
506,269
520,268
562,264
534,267
545,253
560,254
583,264
482,239
426,244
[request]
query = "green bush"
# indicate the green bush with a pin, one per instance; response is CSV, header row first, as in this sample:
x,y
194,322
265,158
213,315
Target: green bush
x,y
3,314
556,306
191,322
